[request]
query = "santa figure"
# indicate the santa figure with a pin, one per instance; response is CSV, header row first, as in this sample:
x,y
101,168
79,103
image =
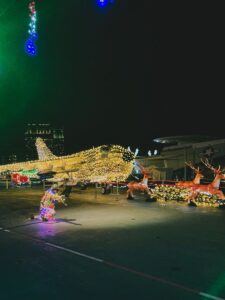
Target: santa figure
x,y
48,201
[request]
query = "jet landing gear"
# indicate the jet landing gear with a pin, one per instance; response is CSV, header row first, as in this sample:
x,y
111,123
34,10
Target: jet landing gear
x,y
106,189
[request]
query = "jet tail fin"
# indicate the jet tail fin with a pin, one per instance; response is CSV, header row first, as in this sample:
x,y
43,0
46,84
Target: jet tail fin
x,y
44,153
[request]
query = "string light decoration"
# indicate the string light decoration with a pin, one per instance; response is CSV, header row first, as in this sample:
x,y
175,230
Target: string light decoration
x,y
43,151
100,164
180,194
30,46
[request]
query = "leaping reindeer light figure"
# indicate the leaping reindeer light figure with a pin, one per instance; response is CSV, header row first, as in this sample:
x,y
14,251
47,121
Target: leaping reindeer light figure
x,y
195,181
211,188
141,186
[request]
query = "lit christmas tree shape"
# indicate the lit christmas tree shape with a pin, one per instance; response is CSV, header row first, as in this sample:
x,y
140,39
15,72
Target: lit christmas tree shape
x,y
30,46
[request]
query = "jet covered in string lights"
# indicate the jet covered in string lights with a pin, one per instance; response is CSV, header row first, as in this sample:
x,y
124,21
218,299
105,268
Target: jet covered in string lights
x,y
101,164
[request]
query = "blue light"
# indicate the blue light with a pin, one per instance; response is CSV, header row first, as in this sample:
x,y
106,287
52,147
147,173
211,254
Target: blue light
x,y
104,3
34,36
30,47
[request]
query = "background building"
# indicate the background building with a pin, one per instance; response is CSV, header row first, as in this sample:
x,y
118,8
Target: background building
x,y
53,137
175,151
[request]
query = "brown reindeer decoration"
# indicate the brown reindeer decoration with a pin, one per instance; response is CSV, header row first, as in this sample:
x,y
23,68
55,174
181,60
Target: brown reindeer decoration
x,y
139,186
195,181
211,188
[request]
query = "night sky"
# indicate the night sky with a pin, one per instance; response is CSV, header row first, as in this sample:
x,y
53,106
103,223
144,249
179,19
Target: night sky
x,y
124,74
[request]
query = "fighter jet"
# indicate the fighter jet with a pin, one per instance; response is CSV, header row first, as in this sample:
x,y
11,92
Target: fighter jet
x,y
100,164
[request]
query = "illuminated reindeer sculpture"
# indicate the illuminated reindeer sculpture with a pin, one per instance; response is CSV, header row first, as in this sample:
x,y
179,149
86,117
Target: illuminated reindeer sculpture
x,y
195,181
211,188
140,186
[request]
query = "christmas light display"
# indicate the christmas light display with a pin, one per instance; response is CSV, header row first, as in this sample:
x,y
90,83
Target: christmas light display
x,y
101,164
48,201
180,194
140,186
193,192
43,151
19,179
30,46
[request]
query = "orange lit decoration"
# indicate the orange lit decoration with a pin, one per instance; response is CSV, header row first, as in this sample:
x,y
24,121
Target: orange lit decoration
x,y
211,188
195,181
140,186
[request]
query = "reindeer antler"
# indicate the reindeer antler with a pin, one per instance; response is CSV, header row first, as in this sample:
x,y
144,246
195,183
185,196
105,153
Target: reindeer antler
x,y
209,166
189,164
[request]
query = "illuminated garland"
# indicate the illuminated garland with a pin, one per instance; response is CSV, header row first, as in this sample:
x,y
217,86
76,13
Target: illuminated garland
x,y
165,192
30,46
175,193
